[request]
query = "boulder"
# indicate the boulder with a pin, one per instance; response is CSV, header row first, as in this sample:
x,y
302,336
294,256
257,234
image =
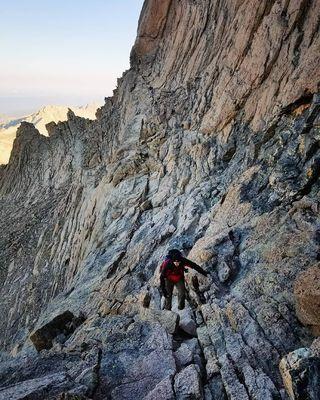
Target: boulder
x,y
183,356
188,353
187,323
163,391
307,298
62,325
189,326
187,384
134,362
35,388
186,319
168,319
300,371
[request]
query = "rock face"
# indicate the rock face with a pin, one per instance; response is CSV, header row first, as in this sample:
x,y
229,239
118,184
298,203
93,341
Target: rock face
x,y
210,144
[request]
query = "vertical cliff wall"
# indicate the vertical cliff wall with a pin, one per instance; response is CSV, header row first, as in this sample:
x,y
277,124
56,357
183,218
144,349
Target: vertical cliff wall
x,y
209,144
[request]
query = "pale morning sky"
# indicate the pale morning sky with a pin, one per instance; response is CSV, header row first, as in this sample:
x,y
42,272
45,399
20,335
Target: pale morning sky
x,y
63,51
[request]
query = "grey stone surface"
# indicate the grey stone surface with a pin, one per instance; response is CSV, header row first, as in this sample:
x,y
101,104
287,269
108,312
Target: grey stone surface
x,y
187,322
187,384
134,362
162,391
168,319
300,371
210,144
34,388
183,356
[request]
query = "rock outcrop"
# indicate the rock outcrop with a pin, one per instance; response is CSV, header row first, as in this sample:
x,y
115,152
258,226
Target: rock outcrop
x,y
210,144
47,114
300,371
59,328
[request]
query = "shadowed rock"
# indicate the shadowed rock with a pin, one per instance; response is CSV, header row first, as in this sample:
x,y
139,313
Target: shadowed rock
x,y
300,372
63,324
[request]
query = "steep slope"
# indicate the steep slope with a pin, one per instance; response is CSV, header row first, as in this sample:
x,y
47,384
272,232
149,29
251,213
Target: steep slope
x,y
209,144
9,126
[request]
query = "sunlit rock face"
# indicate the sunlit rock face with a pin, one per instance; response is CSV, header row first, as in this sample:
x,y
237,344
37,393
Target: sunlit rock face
x,y
9,126
210,144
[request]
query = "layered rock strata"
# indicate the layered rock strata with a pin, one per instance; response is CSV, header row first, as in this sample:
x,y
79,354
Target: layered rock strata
x,y
209,144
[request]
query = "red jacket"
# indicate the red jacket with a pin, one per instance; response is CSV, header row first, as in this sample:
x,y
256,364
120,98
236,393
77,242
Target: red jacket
x,y
171,272
174,274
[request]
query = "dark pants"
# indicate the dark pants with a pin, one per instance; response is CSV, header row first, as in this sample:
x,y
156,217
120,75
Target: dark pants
x,y
181,294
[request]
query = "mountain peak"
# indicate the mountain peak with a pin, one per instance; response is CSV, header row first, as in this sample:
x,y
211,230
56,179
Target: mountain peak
x,y
40,118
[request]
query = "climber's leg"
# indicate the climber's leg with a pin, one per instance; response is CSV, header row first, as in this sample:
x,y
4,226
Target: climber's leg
x,y
168,299
181,294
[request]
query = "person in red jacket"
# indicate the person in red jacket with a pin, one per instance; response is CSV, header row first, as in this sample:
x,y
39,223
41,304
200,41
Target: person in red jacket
x,y
172,274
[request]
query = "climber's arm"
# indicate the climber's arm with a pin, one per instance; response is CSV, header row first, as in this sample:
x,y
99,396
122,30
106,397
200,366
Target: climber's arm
x,y
195,266
163,269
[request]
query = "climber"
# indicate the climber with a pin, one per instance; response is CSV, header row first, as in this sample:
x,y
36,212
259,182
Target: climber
x,y
172,273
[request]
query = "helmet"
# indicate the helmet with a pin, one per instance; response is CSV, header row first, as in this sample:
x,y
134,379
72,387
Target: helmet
x,y
175,255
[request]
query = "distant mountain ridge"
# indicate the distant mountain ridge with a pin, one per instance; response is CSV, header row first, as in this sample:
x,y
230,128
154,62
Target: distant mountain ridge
x,y
210,144
46,114
4,118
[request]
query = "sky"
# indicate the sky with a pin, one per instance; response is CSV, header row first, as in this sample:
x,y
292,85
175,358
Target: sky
x,y
68,52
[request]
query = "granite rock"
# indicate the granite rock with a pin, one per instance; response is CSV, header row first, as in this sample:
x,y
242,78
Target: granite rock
x,y
209,144
300,372
307,298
